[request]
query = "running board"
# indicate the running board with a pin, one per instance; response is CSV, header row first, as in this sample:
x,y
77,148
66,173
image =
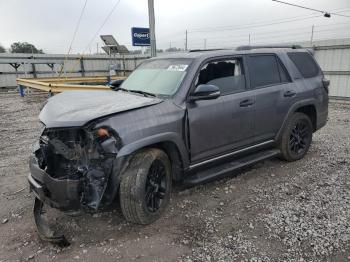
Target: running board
x,y
221,170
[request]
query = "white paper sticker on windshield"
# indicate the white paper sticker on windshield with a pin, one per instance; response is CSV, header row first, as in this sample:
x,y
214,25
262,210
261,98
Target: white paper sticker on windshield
x,y
177,67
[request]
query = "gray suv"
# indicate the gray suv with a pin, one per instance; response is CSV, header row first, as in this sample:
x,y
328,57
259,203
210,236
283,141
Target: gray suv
x,y
190,117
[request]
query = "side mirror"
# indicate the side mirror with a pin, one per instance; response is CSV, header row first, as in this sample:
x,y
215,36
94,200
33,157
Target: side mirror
x,y
115,84
205,92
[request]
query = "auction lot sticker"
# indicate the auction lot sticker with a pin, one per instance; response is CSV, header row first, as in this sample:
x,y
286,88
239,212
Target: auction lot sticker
x,y
177,67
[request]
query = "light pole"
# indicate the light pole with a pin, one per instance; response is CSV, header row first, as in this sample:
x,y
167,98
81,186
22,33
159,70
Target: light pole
x,y
152,27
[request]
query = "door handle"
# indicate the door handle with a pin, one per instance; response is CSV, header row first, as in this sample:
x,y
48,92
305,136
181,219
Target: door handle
x,y
289,93
246,103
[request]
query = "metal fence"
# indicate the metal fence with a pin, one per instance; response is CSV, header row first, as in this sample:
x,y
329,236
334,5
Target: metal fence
x,y
332,55
47,65
334,59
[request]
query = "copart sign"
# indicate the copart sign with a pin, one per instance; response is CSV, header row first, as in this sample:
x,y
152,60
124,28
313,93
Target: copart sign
x,y
140,36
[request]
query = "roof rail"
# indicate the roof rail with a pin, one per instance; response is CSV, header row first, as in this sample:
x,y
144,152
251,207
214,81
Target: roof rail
x,y
250,47
204,50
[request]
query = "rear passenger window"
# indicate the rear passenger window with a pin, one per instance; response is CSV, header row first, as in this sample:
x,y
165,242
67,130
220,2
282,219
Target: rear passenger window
x,y
263,70
227,75
305,64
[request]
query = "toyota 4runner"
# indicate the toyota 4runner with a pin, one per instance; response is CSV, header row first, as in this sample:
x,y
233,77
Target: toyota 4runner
x,y
190,117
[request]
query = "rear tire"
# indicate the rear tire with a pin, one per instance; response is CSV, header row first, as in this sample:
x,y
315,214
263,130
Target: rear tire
x,y
296,137
145,187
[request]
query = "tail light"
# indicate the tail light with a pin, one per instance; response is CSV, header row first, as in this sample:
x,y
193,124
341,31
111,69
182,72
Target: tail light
x,y
326,83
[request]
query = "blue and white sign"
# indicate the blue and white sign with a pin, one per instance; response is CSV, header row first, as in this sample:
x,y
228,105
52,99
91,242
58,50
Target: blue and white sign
x,y
140,36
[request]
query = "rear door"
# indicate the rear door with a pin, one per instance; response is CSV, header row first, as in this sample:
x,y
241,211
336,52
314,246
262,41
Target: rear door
x,y
274,93
226,123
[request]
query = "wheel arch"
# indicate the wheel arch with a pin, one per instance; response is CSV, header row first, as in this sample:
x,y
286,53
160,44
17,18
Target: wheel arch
x,y
170,143
310,111
307,107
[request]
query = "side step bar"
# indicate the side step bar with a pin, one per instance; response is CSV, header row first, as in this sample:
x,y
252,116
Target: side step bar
x,y
221,170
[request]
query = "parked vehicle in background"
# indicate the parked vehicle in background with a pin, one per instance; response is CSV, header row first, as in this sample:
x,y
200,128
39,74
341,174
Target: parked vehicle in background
x,y
190,117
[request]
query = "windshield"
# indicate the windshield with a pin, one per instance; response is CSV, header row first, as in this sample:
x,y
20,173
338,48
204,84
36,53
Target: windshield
x,y
159,77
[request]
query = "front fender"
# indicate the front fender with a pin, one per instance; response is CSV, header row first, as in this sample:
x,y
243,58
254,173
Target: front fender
x,y
158,138
124,156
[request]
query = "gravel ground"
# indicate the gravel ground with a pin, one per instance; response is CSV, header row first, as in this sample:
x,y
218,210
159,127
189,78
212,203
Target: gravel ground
x,y
274,211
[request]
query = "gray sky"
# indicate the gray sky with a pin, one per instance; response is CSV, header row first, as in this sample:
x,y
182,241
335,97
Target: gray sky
x,y
50,24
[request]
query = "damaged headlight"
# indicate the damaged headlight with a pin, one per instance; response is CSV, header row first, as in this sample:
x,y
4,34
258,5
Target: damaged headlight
x,y
108,139
107,142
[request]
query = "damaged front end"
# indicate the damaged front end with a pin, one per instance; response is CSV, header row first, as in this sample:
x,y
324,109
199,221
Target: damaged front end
x,y
70,170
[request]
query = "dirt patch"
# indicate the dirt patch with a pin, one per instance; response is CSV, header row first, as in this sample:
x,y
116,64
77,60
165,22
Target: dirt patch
x,y
274,211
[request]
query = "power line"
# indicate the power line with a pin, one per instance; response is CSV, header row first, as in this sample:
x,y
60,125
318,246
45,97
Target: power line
x,y
264,36
341,15
325,14
255,26
261,23
74,35
77,27
337,28
99,29
276,32
102,25
243,26
303,7
250,24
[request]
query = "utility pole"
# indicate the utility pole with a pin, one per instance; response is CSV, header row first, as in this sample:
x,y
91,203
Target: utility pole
x,y
152,27
249,39
97,48
186,41
205,43
312,34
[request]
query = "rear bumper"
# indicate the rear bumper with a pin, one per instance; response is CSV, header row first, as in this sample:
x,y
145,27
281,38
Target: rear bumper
x,y
61,194
322,119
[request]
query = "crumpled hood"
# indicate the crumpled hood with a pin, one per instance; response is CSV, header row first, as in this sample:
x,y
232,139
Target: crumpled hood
x,y
76,108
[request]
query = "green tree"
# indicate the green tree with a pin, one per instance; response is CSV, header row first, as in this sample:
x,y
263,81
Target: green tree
x,y
25,47
2,49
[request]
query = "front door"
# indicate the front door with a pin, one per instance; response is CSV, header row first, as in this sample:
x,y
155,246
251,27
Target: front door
x,y
221,125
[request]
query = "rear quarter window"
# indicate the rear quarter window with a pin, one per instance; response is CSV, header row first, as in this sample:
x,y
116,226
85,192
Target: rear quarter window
x,y
305,64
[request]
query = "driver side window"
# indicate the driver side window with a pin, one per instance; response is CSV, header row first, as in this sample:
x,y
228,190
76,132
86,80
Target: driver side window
x,y
226,74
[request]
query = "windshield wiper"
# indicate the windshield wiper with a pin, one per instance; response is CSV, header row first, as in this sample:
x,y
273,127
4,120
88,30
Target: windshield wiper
x,y
119,88
142,92
134,91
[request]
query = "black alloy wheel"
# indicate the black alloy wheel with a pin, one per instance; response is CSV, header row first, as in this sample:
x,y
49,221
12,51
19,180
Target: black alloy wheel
x,y
296,137
299,138
155,186
145,187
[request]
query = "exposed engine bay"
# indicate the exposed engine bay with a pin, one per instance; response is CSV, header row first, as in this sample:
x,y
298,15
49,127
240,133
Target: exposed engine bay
x,y
82,155
70,170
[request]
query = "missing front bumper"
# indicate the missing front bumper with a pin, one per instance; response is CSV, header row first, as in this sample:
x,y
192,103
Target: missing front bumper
x,y
61,194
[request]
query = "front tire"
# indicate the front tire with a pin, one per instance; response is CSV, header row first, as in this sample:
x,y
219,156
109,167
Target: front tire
x,y
296,137
145,187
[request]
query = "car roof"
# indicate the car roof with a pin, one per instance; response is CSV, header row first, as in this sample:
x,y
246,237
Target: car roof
x,y
204,54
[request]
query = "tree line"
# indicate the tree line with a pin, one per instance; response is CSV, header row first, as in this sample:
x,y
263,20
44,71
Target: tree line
x,y
22,47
